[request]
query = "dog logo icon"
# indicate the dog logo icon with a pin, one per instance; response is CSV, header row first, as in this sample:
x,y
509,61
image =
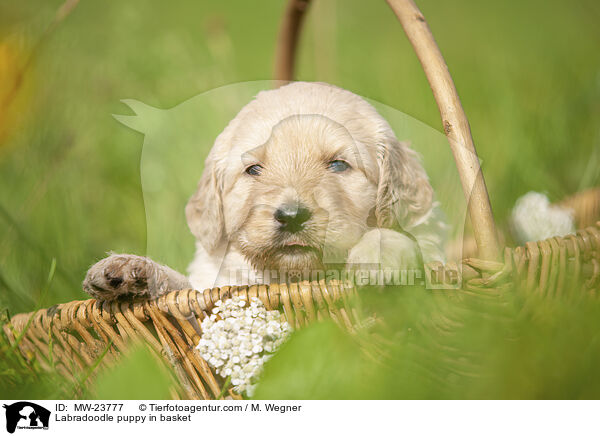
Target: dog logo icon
x,y
26,415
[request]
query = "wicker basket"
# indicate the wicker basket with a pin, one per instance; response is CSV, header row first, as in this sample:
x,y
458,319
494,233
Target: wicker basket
x,y
80,331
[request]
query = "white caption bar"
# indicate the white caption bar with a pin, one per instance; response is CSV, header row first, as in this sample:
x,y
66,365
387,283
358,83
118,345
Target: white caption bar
x,y
90,418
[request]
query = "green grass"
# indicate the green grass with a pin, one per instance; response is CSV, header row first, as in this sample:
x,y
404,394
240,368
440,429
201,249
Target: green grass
x,y
510,346
70,177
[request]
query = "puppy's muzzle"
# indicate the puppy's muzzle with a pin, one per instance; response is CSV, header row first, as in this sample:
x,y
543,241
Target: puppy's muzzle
x,y
291,217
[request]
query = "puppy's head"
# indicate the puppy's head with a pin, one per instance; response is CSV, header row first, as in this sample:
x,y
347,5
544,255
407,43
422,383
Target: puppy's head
x,y
300,174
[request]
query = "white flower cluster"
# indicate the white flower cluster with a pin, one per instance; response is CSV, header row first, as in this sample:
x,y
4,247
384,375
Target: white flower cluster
x,y
237,339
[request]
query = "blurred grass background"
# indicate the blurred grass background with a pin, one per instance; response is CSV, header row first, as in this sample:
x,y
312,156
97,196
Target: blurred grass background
x,y
528,73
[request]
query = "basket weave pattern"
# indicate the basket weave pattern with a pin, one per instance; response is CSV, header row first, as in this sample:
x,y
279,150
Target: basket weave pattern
x,y
542,266
80,331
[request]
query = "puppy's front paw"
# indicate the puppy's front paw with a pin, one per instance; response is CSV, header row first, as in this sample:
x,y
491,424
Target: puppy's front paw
x,y
383,250
124,274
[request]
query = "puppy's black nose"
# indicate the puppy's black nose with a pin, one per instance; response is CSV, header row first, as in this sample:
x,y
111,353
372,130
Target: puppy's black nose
x,y
292,217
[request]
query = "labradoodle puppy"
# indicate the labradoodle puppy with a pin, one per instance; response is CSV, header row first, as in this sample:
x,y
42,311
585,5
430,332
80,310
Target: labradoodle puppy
x,y
307,177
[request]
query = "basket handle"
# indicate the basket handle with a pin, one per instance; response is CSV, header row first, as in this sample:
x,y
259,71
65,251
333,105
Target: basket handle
x,y
454,121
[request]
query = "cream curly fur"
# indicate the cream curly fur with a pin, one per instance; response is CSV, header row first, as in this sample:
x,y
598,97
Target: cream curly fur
x,y
377,210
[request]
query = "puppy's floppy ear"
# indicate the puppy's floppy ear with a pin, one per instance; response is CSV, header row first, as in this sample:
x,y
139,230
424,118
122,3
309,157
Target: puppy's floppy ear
x,y
204,211
404,195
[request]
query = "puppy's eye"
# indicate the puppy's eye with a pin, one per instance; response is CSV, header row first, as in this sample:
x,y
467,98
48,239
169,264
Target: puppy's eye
x,y
254,170
338,166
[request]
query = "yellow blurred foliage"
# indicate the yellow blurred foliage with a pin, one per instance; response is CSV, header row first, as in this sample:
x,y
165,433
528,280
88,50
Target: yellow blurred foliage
x,y
15,89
